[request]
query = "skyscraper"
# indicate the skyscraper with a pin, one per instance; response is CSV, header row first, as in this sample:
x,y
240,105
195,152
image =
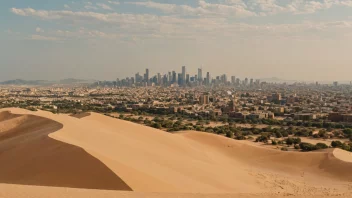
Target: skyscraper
x,y
208,78
233,80
183,81
200,75
170,78
159,79
146,77
180,79
174,77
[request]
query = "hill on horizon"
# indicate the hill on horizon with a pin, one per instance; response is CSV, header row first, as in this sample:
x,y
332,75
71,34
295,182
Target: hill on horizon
x,y
67,81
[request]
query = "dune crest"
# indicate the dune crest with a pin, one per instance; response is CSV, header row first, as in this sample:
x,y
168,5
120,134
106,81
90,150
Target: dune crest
x,y
29,156
150,160
343,155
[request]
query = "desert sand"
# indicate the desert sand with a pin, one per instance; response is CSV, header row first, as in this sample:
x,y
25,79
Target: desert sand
x,y
100,152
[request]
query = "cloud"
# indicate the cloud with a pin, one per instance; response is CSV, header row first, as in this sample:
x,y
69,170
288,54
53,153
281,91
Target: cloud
x,y
146,26
204,8
38,30
104,6
114,2
67,6
271,7
90,6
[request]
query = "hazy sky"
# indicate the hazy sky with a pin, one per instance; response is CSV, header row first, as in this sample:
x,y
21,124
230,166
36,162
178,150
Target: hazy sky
x,y
289,39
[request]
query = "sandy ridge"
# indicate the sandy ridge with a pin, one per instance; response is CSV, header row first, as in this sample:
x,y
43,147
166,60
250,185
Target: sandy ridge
x,y
149,160
29,156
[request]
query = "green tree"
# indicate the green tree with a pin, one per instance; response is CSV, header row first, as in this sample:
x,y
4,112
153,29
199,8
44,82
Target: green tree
x,y
346,147
278,134
297,140
336,144
156,125
262,138
347,131
229,134
321,146
307,147
289,141
274,142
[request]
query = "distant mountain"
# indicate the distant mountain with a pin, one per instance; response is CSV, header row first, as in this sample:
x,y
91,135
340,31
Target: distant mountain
x,y
25,82
69,81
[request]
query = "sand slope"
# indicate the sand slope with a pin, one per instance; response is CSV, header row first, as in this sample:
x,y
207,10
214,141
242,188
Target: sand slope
x,y
150,160
29,156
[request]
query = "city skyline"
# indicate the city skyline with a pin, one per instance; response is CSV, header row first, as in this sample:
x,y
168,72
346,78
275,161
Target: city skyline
x,y
185,79
292,40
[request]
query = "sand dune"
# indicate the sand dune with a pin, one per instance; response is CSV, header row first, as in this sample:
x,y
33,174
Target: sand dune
x,y
148,160
29,156
343,155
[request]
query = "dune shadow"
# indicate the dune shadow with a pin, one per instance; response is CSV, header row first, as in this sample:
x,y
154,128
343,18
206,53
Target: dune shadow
x,y
28,156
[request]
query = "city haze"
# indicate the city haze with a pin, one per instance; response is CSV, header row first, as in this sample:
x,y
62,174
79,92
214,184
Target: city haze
x,y
105,40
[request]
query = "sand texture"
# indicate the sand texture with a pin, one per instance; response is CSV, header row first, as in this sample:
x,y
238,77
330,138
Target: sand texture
x,y
100,152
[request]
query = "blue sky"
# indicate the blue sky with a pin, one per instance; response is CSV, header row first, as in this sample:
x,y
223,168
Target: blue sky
x,y
106,39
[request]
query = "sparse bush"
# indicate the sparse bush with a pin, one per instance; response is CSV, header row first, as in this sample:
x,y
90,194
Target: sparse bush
x,y
321,146
241,137
156,125
346,147
336,144
289,141
307,146
229,134
284,148
274,142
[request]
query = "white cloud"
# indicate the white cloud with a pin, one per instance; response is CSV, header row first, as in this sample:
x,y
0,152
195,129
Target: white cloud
x,y
90,6
114,2
67,6
38,30
175,27
204,8
104,6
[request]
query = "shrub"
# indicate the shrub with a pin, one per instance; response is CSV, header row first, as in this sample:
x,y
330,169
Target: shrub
x,y
289,141
274,142
346,147
156,125
284,134
262,138
284,148
297,140
278,134
321,146
297,147
347,131
307,146
336,144
229,134
241,137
